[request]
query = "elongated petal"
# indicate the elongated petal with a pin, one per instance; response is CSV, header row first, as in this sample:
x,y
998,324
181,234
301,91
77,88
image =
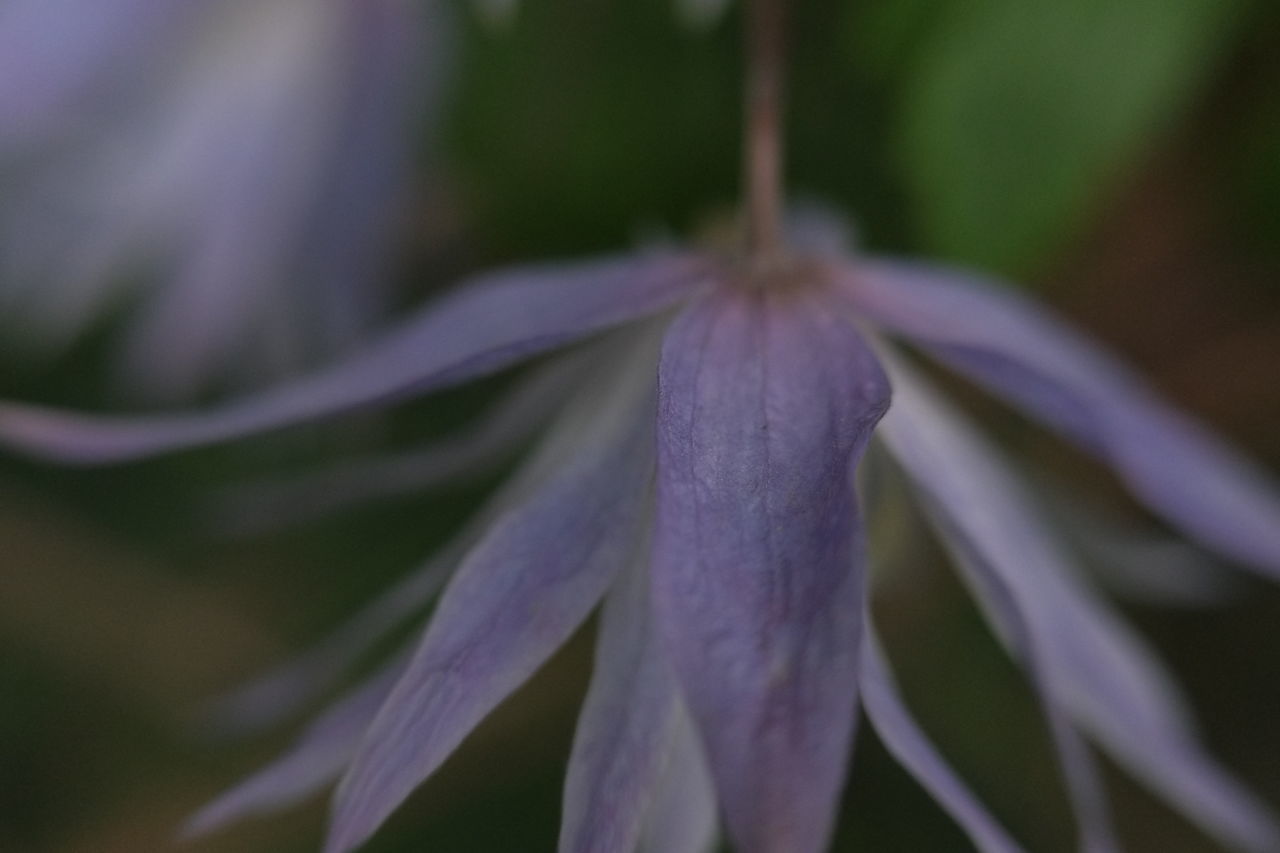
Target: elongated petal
x,y
903,738
1180,471
1195,783
683,817
501,433
317,758
287,688
490,323
961,507
766,400
519,595
625,729
1092,663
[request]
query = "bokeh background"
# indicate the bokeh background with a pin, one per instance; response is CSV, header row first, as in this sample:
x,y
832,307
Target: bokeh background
x,y
1120,159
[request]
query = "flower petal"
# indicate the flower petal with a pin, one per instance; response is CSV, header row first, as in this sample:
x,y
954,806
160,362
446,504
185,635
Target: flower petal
x,y
1057,375
1190,779
962,507
519,595
490,323
1093,664
904,739
317,758
501,432
683,818
285,689
623,733
765,402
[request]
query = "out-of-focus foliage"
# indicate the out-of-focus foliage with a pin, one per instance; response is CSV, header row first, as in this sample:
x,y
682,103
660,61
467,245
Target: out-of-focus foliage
x,y
1017,117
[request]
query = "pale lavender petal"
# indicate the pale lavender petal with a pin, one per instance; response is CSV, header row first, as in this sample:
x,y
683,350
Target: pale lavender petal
x,y
683,817
315,760
766,401
490,323
907,743
1179,470
518,596
287,688
967,510
500,434
625,728
1093,664
1194,782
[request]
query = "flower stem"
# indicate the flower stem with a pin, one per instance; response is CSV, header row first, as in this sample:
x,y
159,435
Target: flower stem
x,y
765,47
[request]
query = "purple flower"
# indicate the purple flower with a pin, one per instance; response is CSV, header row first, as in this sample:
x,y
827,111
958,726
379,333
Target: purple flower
x,y
700,482
232,172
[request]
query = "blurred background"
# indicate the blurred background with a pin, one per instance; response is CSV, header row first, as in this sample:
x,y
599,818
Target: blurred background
x,y
339,163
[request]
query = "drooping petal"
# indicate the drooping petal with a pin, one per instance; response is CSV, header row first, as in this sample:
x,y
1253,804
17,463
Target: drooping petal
x,y
316,759
962,511
765,402
287,688
1176,468
683,817
519,595
624,731
490,323
500,434
907,743
1093,664
1194,782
